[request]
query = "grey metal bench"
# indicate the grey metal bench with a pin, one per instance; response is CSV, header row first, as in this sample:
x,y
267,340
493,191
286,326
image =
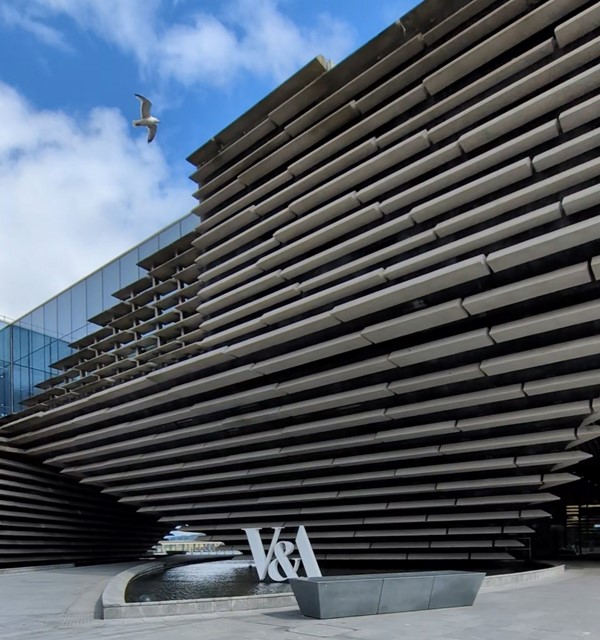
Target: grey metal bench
x,y
359,595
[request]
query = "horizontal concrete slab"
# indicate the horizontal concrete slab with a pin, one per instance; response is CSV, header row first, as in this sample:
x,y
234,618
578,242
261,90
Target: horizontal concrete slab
x,y
346,372
500,394
541,285
282,334
336,400
535,107
542,356
462,343
415,322
581,113
371,259
316,218
326,297
539,414
460,97
342,226
567,150
263,302
402,176
318,351
487,50
546,244
416,287
578,26
472,191
584,199
551,321
475,241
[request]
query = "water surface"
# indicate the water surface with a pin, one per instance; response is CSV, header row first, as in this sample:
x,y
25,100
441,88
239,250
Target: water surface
x,y
219,579
237,577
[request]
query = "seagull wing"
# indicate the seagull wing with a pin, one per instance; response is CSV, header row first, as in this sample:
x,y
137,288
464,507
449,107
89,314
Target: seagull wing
x,y
144,106
151,132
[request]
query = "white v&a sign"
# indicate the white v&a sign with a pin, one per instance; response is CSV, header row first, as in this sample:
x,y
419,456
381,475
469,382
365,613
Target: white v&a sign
x,y
277,559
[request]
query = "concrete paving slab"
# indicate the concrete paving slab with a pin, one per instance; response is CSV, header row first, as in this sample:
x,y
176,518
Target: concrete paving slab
x,y
59,604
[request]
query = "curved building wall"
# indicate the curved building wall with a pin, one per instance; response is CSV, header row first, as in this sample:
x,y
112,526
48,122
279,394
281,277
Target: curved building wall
x,y
385,326
46,518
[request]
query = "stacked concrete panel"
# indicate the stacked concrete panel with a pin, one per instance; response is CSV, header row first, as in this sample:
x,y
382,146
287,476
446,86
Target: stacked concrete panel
x,y
386,325
46,518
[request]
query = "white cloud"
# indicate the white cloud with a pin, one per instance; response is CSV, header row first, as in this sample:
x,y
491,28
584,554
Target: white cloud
x,y
254,38
129,24
11,17
248,37
73,196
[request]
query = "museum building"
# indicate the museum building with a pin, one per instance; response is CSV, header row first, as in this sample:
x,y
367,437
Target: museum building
x,y
384,325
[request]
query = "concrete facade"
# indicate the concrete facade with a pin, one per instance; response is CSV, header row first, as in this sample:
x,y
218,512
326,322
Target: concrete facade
x,y
385,327
47,518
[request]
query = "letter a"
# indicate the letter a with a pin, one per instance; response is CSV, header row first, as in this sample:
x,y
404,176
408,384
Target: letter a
x,y
307,555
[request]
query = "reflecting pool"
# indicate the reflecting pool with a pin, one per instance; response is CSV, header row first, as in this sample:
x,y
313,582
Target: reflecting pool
x,y
219,579
237,577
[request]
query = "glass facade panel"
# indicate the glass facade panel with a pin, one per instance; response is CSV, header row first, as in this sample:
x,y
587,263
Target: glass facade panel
x,y
31,344
5,388
36,318
39,358
128,267
5,369
79,313
64,320
169,235
149,247
111,282
93,294
51,317
189,223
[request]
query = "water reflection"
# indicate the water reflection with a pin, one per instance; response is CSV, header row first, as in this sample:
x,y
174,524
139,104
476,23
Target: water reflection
x,y
237,577
223,578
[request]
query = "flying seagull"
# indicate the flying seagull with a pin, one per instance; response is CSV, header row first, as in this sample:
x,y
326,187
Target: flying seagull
x,y
146,120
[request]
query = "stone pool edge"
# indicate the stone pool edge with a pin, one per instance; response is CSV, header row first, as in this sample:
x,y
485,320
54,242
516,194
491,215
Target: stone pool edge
x,y
115,607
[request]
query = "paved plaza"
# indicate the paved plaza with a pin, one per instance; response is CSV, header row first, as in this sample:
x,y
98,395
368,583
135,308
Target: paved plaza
x,y
62,604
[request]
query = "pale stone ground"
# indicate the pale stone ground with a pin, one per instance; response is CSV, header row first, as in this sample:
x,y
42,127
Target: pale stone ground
x,y
59,604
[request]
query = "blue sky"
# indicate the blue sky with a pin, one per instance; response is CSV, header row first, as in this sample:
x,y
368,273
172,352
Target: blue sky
x,y
70,161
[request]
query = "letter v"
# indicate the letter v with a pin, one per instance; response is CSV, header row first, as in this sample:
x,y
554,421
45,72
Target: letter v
x,y
258,553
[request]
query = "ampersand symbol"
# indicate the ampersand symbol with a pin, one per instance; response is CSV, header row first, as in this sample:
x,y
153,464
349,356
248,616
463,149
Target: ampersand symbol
x,y
282,550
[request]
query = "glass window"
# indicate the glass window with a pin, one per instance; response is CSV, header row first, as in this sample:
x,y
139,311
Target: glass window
x,y
148,248
17,349
26,321
79,314
5,373
168,236
5,334
21,386
51,317
36,378
59,350
81,332
22,346
37,318
93,294
129,268
39,352
110,283
189,223
64,314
